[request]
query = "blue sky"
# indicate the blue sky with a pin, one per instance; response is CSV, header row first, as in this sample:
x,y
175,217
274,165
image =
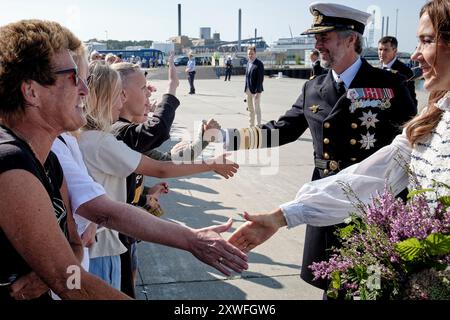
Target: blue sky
x,y
157,20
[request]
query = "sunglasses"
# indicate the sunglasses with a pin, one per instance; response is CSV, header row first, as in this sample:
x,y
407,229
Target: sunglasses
x,y
74,75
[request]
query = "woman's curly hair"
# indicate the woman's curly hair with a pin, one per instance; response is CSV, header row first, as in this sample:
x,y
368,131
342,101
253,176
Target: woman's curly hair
x,y
26,51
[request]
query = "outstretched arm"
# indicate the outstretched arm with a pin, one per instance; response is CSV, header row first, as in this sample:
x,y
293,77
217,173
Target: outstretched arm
x,y
28,220
174,82
189,151
258,228
164,169
205,244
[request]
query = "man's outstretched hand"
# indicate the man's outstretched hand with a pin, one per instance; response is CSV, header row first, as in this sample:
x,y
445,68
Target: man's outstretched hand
x,y
210,248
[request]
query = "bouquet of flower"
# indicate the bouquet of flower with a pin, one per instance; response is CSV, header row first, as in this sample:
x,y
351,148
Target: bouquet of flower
x,y
393,250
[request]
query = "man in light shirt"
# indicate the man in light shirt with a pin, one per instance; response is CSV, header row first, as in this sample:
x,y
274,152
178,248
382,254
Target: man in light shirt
x,y
190,70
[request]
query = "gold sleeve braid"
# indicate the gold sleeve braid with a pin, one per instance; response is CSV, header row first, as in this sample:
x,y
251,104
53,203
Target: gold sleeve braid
x,y
249,138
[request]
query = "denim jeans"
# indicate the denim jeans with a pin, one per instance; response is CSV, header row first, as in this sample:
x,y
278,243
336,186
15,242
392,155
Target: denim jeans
x,y
107,268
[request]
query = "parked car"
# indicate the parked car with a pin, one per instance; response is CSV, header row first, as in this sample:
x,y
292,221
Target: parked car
x,y
181,61
203,61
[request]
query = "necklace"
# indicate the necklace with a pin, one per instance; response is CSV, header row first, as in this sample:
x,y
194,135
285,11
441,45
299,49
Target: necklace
x,y
35,154
21,137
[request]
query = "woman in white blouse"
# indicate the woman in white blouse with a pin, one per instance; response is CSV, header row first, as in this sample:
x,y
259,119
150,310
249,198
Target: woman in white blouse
x,y
424,146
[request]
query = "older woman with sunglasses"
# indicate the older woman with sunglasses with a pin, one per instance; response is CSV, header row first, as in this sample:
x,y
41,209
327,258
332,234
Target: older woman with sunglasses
x,y
40,94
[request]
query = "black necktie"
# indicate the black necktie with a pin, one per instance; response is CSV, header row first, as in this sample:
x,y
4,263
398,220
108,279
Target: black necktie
x,y
340,87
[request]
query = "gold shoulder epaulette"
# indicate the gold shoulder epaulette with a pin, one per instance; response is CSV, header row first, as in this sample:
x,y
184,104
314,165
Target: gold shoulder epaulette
x,y
312,77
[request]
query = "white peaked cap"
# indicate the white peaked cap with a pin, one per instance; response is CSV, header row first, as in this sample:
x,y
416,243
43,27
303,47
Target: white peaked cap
x,y
333,16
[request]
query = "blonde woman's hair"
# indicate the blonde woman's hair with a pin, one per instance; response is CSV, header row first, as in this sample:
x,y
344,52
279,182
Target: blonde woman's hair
x,y
104,87
126,69
421,126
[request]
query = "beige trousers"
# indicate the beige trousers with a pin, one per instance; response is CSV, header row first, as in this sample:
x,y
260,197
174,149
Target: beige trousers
x,y
254,107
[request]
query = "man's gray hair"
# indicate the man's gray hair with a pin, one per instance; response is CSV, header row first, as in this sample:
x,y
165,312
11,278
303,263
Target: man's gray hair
x,y
343,34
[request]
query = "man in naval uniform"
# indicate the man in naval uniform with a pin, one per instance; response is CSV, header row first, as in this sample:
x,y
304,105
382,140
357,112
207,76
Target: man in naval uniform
x,y
387,53
352,111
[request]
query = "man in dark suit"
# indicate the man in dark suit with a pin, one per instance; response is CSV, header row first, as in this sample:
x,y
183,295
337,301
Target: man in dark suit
x,y
352,111
387,52
254,78
317,69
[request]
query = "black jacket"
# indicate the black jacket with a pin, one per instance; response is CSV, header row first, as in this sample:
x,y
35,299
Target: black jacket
x,y
254,77
152,133
404,70
317,69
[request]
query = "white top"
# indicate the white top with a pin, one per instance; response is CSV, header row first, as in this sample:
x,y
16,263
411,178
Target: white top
x,y
323,202
109,162
82,188
430,159
191,65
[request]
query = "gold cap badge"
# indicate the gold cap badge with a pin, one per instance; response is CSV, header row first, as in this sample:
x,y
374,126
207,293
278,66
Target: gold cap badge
x,y
318,17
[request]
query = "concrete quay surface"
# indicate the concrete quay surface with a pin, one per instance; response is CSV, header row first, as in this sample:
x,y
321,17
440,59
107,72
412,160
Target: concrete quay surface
x,y
208,199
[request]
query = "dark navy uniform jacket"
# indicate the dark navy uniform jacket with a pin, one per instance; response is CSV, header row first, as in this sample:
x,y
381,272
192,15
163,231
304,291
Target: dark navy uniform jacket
x,y
343,131
339,133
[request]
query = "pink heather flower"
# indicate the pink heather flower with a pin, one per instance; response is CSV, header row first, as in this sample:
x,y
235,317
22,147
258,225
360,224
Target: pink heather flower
x,y
385,222
324,269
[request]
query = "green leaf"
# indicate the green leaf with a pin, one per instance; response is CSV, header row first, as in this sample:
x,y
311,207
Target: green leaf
x,y
336,280
445,201
333,294
418,192
346,232
363,292
409,249
437,244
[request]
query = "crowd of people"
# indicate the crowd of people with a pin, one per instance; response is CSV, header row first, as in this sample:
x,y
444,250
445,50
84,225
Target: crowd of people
x,y
59,113
77,139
